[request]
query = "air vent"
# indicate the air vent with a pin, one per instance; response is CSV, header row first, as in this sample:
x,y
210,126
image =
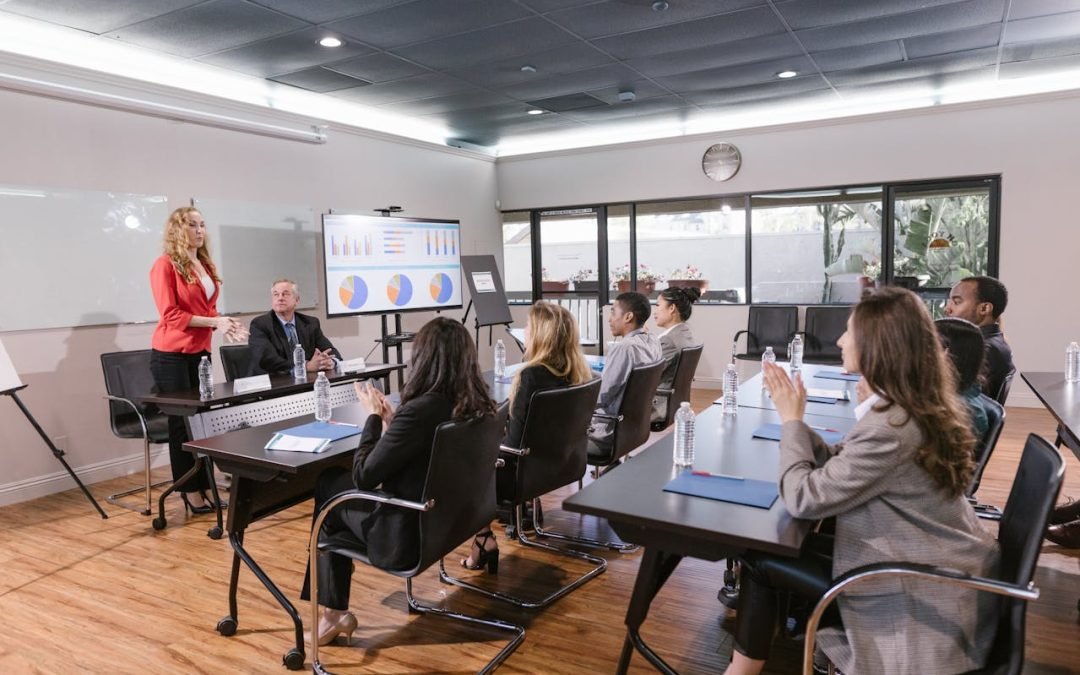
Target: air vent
x,y
319,80
569,102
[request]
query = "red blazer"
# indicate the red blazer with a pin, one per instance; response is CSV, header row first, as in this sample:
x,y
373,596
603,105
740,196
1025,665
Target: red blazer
x,y
177,301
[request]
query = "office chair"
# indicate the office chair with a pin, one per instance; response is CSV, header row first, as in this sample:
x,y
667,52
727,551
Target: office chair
x,y
457,502
824,326
767,326
552,455
1031,500
1006,384
236,360
127,377
686,363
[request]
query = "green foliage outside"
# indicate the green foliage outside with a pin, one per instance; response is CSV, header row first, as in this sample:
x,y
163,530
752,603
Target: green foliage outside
x,y
963,221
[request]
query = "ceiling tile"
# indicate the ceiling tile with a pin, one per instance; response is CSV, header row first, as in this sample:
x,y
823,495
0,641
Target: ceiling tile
x,y
551,5
721,54
1043,28
570,83
320,11
858,57
1040,67
953,41
319,80
455,102
643,90
426,20
208,27
94,17
735,76
801,14
568,102
938,82
613,17
499,43
378,67
568,58
408,89
741,25
776,89
284,54
1031,51
950,17
1030,8
928,67
652,106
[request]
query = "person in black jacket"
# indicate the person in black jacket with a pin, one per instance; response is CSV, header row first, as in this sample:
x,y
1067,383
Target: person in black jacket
x,y
274,335
394,453
553,359
981,300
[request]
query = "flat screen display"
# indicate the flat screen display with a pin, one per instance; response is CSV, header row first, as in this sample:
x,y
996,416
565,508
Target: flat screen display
x,y
377,264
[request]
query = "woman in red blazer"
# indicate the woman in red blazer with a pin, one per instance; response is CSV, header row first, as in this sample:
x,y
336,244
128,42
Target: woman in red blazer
x,y
186,284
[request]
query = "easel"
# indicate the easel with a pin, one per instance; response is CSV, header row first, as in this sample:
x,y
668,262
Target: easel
x,y
490,326
486,292
57,452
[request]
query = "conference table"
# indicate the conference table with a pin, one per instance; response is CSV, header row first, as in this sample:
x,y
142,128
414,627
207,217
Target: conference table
x,y
671,526
1062,399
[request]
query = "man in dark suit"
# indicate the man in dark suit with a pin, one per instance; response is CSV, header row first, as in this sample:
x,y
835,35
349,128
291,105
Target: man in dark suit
x,y
981,300
274,335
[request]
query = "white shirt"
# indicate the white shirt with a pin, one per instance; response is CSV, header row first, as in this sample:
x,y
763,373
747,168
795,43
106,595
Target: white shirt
x,y
208,285
865,406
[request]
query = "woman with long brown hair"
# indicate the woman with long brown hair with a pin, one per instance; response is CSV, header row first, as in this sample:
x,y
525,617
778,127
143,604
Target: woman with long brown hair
x,y
895,487
553,359
394,452
186,285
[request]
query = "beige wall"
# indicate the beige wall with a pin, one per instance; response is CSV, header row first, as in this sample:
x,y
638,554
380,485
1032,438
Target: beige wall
x,y
1033,145
53,143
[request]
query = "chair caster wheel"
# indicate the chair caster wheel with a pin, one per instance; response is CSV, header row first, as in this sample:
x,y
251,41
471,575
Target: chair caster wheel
x,y
511,532
214,533
293,659
227,626
159,523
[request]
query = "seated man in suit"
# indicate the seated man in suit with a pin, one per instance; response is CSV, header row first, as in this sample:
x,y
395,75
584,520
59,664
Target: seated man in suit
x,y
274,335
637,348
981,300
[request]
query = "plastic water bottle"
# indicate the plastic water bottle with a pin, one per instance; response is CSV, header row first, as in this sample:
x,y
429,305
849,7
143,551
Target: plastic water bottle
x,y
206,378
299,362
684,435
500,361
768,356
322,398
1072,363
796,353
731,390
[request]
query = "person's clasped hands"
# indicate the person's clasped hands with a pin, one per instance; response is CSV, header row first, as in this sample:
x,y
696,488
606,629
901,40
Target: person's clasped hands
x,y
375,401
234,330
321,360
788,396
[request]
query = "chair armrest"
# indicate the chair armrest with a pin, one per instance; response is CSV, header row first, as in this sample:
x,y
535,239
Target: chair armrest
x,y
610,418
875,571
518,452
138,412
665,391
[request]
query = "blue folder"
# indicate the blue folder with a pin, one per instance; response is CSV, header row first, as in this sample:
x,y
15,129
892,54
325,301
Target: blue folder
x,y
771,432
837,375
757,493
821,399
331,431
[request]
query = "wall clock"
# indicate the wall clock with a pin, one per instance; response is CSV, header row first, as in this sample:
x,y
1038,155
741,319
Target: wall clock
x,y
721,161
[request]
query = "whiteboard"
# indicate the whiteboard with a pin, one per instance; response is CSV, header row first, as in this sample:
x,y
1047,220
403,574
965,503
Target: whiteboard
x,y
253,244
9,379
77,258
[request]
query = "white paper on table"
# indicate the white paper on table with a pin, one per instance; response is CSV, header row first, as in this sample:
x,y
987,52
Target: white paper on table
x,y
297,443
839,394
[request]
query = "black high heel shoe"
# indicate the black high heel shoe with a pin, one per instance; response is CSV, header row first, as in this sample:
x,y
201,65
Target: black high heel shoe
x,y
224,504
482,555
205,508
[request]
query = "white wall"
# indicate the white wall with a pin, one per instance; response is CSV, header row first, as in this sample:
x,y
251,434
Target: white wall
x,y
1032,144
54,143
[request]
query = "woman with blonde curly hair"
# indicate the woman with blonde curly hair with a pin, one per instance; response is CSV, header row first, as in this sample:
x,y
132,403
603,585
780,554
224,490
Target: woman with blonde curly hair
x,y
553,359
186,285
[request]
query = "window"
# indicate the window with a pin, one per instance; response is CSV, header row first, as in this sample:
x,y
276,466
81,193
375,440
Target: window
x,y
815,247
568,250
517,256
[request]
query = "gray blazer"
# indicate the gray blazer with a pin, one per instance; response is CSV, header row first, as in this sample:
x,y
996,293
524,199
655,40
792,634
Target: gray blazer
x,y
888,508
679,337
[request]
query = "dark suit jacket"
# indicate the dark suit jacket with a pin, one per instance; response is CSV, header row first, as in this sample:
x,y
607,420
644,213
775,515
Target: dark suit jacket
x,y
998,360
270,351
398,461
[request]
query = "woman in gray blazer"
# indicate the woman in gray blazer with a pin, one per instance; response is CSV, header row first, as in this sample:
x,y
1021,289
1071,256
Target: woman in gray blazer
x,y
673,308
895,486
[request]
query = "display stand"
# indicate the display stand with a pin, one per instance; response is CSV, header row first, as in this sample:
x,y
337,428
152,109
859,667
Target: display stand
x,y
486,293
394,341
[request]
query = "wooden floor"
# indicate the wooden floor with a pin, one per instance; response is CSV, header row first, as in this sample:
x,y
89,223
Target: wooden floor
x,y
82,594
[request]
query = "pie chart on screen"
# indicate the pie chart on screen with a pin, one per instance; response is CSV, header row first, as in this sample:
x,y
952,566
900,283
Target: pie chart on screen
x,y
399,290
441,287
353,292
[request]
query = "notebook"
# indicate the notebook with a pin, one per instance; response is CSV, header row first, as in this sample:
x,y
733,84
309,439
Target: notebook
x,y
837,375
771,432
311,437
757,493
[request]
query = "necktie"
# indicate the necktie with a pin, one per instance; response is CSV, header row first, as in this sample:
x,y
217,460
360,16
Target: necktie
x,y
290,333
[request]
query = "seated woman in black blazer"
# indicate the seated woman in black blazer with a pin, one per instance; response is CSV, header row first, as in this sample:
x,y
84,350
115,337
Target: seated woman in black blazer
x,y
394,452
553,359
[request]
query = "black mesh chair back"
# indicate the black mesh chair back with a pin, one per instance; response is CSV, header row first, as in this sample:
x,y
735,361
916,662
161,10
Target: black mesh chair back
x,y
128,376
686,363
236,360
1006,384
1020,534
555,435
995,417
636,412
769,326
824,326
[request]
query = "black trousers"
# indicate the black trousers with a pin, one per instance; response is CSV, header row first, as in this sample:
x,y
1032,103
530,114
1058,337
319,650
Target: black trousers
x,y
335,571
179,372
766,581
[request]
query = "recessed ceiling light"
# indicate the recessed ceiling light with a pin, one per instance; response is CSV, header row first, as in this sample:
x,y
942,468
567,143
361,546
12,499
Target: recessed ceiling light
x,y
536,111
331,42
528,68
660,6
785,74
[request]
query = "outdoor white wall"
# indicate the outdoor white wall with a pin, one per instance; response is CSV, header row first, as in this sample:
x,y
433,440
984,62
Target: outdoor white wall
x,y
1032,144
54,143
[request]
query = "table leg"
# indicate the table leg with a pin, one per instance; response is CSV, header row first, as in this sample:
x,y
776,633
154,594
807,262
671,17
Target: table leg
x,y
656,568
160,522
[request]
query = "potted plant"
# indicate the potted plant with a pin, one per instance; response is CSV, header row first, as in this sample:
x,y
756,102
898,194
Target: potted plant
x,y
585,281
871,273
646,279
549,285
687,277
